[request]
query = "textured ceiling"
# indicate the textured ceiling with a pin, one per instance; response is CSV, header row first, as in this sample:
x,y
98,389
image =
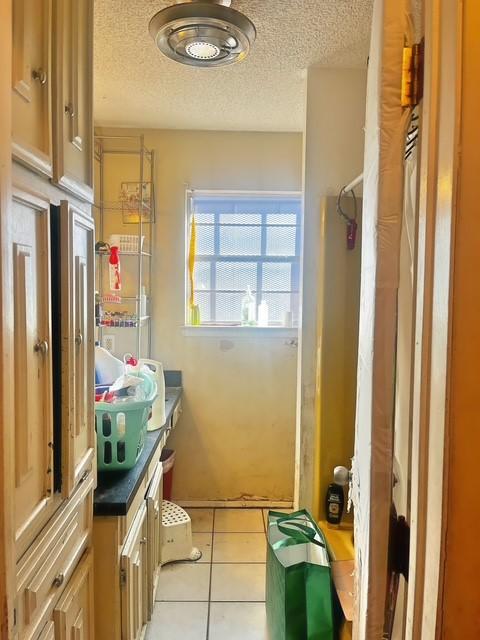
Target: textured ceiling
x,y
136,86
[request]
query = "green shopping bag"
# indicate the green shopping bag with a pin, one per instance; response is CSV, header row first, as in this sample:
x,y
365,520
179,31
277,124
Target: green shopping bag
x,y
299,585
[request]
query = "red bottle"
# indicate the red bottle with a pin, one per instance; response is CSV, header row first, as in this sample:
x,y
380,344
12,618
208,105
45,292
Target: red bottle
x,y
114,269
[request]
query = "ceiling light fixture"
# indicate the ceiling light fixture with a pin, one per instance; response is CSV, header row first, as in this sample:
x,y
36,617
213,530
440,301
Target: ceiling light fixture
x,y
203,33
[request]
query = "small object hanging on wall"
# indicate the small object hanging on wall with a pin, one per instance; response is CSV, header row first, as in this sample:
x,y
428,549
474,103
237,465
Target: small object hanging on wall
x,y
351,221
351,234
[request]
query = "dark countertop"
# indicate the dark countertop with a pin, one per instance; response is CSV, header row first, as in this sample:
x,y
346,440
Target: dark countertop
x,y
116,489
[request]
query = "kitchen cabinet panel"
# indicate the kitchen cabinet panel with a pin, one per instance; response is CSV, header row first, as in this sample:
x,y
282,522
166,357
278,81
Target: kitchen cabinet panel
x,y
77,237
154,524
133,572
72,96
31,84
33,419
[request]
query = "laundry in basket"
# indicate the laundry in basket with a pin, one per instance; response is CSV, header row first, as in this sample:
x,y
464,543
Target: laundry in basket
x,y
121,427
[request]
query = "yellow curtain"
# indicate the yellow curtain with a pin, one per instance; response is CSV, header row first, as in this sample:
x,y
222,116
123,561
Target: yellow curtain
x,y
193,308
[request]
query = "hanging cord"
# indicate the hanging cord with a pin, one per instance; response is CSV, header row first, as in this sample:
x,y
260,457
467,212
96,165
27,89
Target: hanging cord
x,y
341,212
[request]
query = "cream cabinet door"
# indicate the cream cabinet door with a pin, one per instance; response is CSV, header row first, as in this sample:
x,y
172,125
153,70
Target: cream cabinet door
x,y
48,632
33,416
77,238
73,615
72,96
31,84
154,524
133,567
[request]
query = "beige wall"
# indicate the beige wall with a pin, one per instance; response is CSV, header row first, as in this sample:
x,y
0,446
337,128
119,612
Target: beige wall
x,y
236,438
333,137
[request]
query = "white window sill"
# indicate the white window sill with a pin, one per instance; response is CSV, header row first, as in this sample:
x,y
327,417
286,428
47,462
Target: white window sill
x,y
239,331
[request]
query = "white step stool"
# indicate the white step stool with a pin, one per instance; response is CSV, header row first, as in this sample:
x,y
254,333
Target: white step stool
x,y
177,534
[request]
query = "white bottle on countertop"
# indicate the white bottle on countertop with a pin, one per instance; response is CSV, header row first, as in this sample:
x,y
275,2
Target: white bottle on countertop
x,y
158,418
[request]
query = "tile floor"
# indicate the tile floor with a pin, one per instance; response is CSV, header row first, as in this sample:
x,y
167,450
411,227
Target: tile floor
x,y
222,596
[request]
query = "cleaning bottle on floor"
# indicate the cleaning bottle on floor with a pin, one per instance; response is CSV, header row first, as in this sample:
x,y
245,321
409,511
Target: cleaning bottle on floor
x,y
334,503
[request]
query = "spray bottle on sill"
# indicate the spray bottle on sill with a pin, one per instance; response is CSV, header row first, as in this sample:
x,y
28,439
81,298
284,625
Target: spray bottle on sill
x,y
114,269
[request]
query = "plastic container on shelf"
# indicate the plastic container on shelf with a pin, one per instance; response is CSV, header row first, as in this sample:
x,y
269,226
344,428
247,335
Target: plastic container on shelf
x,y
121,428
127,243
158,410
167,458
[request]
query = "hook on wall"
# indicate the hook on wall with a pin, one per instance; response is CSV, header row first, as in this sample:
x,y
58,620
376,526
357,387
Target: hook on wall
x,y
351,221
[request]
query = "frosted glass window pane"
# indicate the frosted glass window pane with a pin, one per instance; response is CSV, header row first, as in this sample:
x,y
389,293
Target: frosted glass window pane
x,y
228,307
236,276
281,241
242,238
278,303
205,241
204,218
240,241
203,300
277,276
240,218
201,275
282,218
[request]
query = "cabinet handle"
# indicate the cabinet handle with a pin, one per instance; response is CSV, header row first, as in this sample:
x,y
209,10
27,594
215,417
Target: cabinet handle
x,y
78,339
41,347
40,75
58,580
69,110
143,541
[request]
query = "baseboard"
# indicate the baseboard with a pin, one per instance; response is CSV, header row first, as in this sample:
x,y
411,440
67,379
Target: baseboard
x,y
234,504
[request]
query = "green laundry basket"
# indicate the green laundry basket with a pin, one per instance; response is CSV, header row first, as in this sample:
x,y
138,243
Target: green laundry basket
x,y
121,429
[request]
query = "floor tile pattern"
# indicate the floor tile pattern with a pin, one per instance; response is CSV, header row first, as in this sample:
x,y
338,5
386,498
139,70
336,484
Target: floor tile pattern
x,y
221,597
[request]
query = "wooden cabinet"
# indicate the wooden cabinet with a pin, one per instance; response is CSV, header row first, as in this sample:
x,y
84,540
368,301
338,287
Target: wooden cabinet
x,y
77,237
30,252
133,576
48,348
31,84
73,615
153,500
72,96
48,632
47,566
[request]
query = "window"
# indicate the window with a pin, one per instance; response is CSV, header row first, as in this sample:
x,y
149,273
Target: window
x,y
242,241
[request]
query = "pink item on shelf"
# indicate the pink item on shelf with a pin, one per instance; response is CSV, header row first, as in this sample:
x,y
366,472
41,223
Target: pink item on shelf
x,y
114,269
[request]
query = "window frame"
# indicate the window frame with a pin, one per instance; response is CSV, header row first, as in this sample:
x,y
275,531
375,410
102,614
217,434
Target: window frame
x,y
190,194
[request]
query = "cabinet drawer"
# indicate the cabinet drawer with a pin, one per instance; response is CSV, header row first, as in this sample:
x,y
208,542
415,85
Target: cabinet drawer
x,y
47,566
73,615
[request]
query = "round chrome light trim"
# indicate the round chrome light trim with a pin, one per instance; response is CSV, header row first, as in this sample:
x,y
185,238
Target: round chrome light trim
x,y
179,28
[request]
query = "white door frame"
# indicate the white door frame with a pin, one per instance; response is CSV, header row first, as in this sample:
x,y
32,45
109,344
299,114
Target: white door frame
x,y
438,172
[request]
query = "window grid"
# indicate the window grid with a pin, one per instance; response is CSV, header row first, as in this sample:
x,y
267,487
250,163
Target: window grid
x,y
259,259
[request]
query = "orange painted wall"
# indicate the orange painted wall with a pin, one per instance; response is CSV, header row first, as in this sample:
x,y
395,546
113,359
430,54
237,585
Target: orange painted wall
x,y
461,588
